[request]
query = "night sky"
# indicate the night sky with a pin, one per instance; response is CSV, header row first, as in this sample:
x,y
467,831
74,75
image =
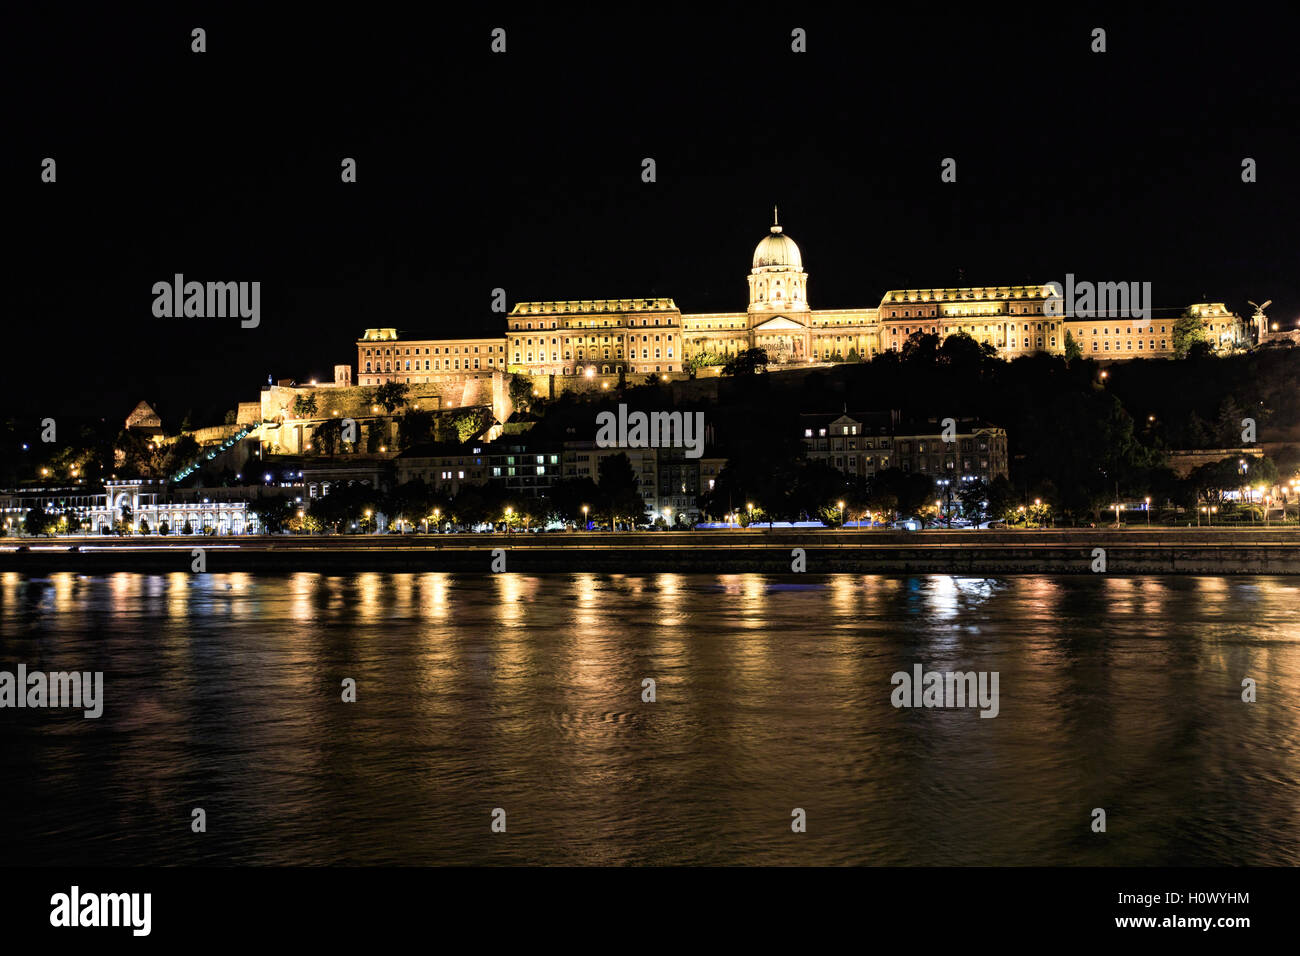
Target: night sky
x,y
523,171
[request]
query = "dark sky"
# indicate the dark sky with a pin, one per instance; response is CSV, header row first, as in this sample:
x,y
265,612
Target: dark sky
x,y
523,171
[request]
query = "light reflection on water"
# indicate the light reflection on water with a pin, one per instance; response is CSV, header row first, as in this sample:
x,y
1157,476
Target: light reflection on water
x,y
223,692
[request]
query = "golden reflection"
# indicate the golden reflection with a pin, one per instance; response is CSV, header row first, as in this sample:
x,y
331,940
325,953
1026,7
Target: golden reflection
x,y
403,590
303,588
177,595
63,591
367,593
433,598
514,593
672,601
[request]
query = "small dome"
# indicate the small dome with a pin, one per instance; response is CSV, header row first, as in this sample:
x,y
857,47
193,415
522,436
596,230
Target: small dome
x,y
778,250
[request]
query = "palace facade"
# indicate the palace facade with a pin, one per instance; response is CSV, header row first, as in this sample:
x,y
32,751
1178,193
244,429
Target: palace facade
x,y
603,337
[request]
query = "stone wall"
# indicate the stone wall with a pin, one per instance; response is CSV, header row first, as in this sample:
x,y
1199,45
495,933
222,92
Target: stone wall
x,y
289,435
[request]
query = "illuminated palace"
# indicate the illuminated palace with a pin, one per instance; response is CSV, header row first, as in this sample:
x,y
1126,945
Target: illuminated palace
x,y
590,337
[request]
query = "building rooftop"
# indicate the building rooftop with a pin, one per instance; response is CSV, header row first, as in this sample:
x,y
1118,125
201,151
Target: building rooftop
x,y
594,305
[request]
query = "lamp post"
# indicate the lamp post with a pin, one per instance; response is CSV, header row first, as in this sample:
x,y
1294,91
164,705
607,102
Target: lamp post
x,y
750,507
584,517
668,518
840,505
367,522
509,512
946,514
437,519
1148,501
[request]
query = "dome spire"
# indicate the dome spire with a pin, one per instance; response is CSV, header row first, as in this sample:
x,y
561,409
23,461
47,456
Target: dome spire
x,y
776,223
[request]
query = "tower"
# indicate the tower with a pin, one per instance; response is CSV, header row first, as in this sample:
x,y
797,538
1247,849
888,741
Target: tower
x,y
777,283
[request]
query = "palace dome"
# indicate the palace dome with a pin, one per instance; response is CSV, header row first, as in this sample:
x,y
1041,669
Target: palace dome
x,y
778,250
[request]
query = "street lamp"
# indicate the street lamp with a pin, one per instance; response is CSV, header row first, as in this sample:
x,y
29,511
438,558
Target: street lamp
x,y
509,512
437,518
584,517
840,505
668,516
1148,501
368,513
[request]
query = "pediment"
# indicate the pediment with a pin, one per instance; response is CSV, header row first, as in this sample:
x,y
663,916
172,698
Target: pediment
x,y
779,324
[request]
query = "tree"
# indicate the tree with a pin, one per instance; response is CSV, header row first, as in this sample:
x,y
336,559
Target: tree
x,y
748,362
273,511
817,488
521,392
921,348
474,506
1002,496
620,494
974,498
415,428
181,453
702,360
304,406
1188,330
390,396
346,506
37,522
1212,481
469,422
910,492
412,502
962,351
569,496
1227,431
188,528
327,436
1072,349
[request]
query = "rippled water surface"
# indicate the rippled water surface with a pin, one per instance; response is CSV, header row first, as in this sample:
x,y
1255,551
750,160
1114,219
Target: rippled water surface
x,y
479,692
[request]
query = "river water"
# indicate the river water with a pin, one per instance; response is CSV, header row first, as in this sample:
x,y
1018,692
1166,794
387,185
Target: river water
x,y
478,692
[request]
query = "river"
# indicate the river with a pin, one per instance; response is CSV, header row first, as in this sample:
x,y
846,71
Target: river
x,y
772,695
